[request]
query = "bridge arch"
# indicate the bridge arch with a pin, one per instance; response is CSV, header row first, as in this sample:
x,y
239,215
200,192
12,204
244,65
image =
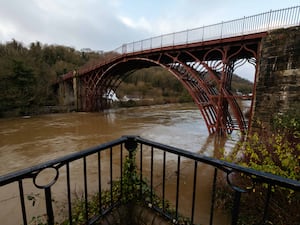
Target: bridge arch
x,y
207,79
203,59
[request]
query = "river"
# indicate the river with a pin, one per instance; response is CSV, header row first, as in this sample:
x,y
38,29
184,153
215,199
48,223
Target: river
x,y
27,141
31,140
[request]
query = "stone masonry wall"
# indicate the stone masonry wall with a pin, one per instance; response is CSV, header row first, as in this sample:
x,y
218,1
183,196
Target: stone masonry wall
x,y
278,81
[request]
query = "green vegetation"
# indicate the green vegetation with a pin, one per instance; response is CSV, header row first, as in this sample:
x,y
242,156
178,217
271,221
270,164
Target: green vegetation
x,y
153,86
276,151
130,189
242,85
157,86
27,75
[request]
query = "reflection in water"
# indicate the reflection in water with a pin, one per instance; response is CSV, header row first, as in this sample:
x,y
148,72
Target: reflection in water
x,y
27,142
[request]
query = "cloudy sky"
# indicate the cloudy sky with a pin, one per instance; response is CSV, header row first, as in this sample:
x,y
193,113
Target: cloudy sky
x,y
107,24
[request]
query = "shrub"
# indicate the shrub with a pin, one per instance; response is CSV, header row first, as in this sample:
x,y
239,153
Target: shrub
x,y
276,151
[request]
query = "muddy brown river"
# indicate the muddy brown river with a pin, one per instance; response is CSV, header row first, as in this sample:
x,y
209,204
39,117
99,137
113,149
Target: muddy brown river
x,y
28,141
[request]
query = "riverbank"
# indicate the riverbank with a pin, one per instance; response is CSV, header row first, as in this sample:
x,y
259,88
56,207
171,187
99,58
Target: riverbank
x,y
33,111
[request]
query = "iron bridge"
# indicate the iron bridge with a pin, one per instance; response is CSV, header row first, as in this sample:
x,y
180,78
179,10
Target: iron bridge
x,y
202,59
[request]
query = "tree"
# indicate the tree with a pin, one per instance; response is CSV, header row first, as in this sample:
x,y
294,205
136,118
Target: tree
x,y
19,85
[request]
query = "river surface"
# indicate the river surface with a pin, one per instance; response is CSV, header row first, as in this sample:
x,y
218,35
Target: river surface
x,y
27,141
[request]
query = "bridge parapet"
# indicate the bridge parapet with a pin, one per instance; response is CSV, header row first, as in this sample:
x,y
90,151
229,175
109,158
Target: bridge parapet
x,y
262,22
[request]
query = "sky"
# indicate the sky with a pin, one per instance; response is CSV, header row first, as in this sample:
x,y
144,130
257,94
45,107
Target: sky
x,y
107,24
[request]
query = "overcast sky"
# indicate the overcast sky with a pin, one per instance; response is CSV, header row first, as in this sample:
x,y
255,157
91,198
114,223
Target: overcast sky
x,y
107,24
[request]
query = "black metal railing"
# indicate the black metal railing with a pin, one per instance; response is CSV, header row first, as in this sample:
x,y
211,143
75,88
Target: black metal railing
x,y
188,185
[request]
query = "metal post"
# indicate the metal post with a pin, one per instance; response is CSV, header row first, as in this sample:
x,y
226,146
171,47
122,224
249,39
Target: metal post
x,y
221,30
236,208
21,190
243,25
131,145
270,15
213,196
49,208
187,36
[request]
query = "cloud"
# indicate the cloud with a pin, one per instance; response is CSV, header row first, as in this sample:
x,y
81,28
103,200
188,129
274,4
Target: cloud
x,y
79,24
141,23
106,25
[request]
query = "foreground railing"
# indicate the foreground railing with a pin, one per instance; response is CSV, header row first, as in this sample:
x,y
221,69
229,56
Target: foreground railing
x,y
247,25
188,185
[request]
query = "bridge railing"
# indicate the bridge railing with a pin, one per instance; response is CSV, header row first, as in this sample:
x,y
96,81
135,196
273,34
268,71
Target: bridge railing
x,y
173,182
247,25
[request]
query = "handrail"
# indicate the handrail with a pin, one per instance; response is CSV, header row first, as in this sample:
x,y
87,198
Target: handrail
x,y
225,166
94,158
274,19
14,176
262,22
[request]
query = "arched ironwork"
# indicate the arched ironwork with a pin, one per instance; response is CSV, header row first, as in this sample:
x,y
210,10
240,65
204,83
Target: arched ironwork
x,y
203,59
206,72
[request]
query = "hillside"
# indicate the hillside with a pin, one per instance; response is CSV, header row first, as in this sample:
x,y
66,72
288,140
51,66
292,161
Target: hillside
x,y
160,86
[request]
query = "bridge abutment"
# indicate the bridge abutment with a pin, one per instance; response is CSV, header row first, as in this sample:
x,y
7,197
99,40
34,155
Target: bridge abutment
x,y
278,80
66,95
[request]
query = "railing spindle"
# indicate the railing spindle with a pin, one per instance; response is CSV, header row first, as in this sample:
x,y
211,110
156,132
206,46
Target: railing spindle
x,y
194,191
49,208
141,170
111,175
164,181
151,176
69,193
269,192
177,186
236,207
213,196
21,192
121,171
85,189
99,183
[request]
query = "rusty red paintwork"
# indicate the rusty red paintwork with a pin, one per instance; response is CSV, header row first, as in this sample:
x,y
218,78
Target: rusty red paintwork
x,y
204,68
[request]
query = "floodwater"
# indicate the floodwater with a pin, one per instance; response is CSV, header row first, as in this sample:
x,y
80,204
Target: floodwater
x,y
27,141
